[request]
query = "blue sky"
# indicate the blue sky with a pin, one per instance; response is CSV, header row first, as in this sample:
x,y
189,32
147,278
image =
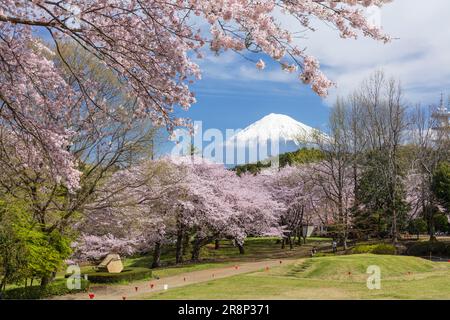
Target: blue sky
x,y
233,93
236,103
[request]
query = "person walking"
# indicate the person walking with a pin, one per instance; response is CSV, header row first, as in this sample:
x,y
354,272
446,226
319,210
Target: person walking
x,y
334,246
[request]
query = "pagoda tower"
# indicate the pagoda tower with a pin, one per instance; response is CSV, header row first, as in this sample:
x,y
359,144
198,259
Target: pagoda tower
x,y
441,117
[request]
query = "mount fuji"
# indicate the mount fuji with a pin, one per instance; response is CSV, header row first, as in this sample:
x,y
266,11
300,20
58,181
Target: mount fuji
x,y
274,127
271,135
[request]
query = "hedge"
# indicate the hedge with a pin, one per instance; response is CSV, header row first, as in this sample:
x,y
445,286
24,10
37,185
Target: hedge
x,y
381,248
56,288
129,274
436,248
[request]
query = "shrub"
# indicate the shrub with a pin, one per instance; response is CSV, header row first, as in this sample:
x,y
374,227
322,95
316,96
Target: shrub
x,y
56,288
129,274
384,248
363,248
381,248
422,249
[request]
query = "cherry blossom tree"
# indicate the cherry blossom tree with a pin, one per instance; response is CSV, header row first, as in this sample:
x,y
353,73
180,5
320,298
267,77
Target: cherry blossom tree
x,y
93,248
257,212
288,186
158,202
224,205
133,212
149,45
311,196
100,143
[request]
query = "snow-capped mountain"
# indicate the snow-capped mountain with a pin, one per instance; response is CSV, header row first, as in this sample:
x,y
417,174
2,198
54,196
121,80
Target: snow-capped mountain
x,y
274,127
268,137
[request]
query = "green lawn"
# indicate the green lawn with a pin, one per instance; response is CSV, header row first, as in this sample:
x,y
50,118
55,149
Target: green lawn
x,y
227,254
337,277
255,248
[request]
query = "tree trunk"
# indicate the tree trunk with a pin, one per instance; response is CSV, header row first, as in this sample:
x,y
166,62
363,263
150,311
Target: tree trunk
x,y
156,255
179,246
3,285
431,228
394,227
283,243
241,248
217,244
47,279
299,236
196,249
345,240
186,239
291,245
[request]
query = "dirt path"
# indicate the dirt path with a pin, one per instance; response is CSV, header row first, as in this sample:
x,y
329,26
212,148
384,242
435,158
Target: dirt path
x,y
138,288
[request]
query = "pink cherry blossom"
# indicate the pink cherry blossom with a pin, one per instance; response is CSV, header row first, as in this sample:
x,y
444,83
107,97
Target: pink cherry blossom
x,y
149,45
260,64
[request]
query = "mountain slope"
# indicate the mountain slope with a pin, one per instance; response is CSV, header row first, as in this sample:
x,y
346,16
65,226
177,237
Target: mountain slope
x,y
273,127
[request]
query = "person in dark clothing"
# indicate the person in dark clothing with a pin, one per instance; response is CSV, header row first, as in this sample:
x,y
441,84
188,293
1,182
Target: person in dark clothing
x,y
334,245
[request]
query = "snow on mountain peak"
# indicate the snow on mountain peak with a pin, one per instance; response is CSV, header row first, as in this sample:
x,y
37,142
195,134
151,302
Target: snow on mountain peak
x,y
273,127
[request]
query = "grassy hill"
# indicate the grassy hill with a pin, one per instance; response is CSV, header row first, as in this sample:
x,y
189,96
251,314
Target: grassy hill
x,y
354,267
334,277
301,156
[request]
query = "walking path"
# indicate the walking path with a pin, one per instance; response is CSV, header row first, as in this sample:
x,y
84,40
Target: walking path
x,y
139,288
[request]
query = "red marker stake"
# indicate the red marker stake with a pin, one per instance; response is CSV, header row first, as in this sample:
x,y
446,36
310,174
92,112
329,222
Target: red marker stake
x,y
91,296
151,285
281,262
124,298
136,288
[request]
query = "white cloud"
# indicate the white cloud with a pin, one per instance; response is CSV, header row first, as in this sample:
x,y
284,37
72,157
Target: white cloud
x,y
276,75
419,55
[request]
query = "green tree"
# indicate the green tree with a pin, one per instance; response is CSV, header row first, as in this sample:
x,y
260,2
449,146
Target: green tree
x,y
301,156
27,252
12,252
417,226
441,184
441,223
384,202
